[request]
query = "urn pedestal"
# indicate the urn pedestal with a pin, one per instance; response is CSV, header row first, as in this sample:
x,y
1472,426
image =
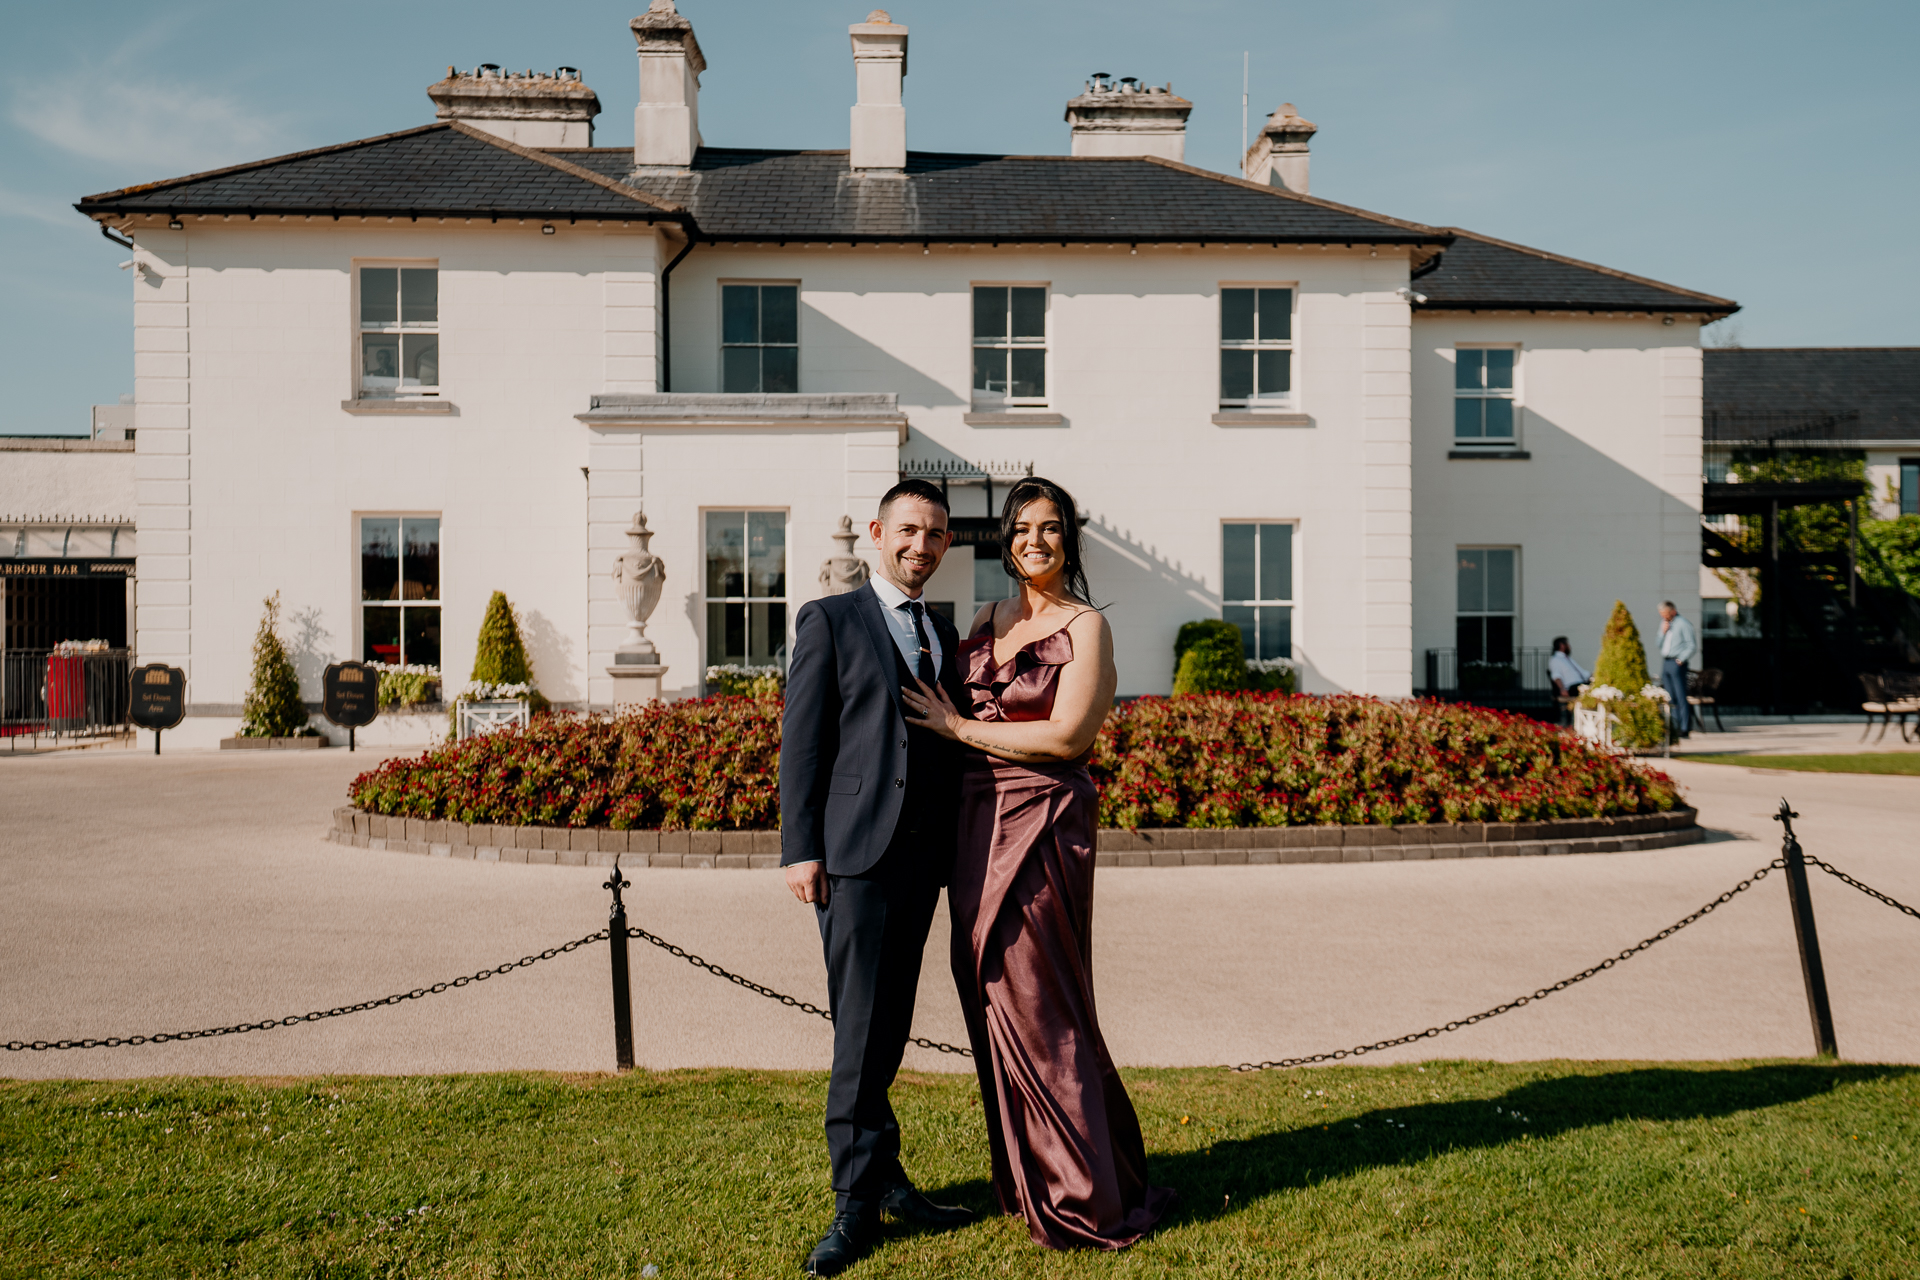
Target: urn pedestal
x,y
635,683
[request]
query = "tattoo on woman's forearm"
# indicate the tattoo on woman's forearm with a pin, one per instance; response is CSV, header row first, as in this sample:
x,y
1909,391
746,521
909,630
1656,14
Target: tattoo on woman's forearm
x,y
1005,751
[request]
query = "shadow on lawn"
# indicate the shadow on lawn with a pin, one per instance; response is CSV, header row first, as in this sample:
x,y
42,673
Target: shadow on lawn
x,y
1250,1168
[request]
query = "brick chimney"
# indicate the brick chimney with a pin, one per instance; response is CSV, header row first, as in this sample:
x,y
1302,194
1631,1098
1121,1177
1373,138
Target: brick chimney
x,y
1125,118
534,109
666,124
879,134
1278,157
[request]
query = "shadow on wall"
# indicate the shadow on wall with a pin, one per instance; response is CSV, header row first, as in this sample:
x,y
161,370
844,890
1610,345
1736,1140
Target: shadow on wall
x,y
849,362
310,646
551,652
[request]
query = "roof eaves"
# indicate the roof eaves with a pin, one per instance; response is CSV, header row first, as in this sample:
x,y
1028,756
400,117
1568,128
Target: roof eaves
x,y
1725,305
147,188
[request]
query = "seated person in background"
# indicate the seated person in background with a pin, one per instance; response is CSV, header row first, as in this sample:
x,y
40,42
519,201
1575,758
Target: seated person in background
x,y
1568,676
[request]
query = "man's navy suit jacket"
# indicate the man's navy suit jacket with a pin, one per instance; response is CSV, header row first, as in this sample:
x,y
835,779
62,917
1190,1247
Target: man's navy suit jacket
x,y
843,742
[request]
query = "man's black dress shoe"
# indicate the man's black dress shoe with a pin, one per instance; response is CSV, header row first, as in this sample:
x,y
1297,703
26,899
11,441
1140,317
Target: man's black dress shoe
x,y
906,1204
845,1243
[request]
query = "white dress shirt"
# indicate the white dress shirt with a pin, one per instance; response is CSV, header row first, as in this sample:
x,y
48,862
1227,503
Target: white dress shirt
x,y
893,603
1563,668
1677,641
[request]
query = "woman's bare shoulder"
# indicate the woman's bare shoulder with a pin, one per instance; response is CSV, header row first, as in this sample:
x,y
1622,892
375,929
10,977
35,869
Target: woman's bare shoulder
x,y
984,618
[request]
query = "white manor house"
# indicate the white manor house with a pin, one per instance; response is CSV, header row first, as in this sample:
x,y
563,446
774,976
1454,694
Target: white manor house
x,y
389,377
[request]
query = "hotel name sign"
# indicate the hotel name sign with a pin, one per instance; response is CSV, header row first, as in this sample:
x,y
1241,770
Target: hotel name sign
x,y
77,567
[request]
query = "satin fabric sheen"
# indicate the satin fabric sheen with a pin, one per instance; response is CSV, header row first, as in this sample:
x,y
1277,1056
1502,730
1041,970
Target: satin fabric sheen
x,y
1066,1144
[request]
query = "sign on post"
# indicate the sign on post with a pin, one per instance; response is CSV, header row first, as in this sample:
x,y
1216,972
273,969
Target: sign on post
x,y
350,696
158,698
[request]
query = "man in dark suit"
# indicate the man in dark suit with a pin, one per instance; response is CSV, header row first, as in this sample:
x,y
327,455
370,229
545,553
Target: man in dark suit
x,y
868,809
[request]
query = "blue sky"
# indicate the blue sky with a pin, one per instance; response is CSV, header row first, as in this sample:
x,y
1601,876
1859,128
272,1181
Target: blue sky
x,y
1761,151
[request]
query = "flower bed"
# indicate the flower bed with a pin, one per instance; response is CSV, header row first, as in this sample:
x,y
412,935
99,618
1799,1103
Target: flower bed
x,y
1202,761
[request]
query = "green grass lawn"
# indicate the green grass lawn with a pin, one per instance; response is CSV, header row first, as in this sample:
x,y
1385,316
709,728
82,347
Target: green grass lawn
x,y
1902,762
1556,1169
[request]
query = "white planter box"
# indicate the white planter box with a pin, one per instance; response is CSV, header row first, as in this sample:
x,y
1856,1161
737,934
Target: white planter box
x,y
1595,725
476,718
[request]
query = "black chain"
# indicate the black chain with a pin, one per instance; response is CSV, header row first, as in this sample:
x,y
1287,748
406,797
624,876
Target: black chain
x,y
1870,891
791,1003
1524,1001
319,1015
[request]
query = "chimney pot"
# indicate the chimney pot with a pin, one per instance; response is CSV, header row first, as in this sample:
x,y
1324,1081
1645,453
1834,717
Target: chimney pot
x,y
1124,119
878,141
666,124
544,111
1278,157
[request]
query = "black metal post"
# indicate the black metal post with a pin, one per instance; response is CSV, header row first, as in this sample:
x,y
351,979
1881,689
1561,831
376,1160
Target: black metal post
x,y
617,949
156,742
1772,617
349,737
1805,934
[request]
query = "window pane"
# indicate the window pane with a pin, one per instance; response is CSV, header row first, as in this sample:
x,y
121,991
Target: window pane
x,y
990,369
1237,578
1470,639
1499,370
1467,368
990,580
740,368
1276,315
1910,488
1030,315
726,553
379,295
766,553
1236,315
379,361
1029,376
726,633
421,366
1467,418
767,635
1473,581
1236,375
1500,583
779,313
1275,374
1276,562
422,627
379,634
1276,631
779,369
419,295
1500,638
990,312
1499,412
380,559
1243,617
421,565
739,313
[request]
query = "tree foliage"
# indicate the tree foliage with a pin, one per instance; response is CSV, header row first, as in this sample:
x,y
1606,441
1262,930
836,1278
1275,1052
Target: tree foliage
x,y
272,708
500,657
1214,663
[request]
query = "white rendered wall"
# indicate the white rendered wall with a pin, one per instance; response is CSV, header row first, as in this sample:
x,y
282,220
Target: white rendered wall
x,y
1607,507
530,327
1134,371
66,484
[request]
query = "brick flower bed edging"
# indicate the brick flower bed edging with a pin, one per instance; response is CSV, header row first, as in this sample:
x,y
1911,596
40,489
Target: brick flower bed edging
x,y
1148,847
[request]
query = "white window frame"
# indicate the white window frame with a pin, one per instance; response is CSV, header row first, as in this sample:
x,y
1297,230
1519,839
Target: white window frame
x,y
988,400
724,345
1511,394
1275,404
398,328
360,605
1292,604
1516,613
786,601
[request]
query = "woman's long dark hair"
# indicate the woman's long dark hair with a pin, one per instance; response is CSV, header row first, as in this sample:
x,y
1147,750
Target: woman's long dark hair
x,y
1036,489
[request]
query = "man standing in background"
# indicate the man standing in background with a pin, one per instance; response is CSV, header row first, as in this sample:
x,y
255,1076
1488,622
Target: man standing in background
x,y
1677,647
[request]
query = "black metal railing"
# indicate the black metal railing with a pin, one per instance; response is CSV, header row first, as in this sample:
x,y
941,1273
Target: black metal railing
x,y
45,694
1520,671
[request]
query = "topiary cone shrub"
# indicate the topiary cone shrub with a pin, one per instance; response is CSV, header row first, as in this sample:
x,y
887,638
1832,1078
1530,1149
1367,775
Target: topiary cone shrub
x,y
273,708
501,668
1245,760
1622,666
1215,662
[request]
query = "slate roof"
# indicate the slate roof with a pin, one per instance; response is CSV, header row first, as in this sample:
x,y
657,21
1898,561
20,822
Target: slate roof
x,y
1755,390
739,194
1483,274
438,170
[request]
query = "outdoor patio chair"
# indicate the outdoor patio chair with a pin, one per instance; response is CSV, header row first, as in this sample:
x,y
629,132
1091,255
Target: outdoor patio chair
x,y
1702,690
1903,687
1881,702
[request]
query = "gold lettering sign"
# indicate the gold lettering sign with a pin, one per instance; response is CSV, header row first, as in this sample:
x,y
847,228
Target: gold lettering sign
x,y
159,676
351,675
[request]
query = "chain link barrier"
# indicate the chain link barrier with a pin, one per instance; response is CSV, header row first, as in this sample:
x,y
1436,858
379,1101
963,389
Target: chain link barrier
x,y
789,1001
318,1015
1869,890
1523,1001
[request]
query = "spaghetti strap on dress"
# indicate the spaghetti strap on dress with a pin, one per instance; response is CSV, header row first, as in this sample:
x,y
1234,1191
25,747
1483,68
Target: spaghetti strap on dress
x,y
1066,1144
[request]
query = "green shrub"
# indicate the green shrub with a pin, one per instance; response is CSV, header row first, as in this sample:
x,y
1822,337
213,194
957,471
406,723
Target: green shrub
x,y
273,708
1215,663
1191,633
1272,676
500,657
406,686
1622,665
731,681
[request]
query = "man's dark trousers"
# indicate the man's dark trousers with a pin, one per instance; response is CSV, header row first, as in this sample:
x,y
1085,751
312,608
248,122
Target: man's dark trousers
x,y
1673,678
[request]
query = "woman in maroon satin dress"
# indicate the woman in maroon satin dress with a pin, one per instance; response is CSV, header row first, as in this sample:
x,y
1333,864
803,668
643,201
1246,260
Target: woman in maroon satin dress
x,y
1066,1145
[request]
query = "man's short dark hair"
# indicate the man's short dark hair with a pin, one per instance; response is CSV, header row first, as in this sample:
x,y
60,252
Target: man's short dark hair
x,y
1558,641
914,488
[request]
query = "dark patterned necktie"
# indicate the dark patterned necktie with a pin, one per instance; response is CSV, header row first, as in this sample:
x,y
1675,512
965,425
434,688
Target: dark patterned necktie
x,y
925,668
